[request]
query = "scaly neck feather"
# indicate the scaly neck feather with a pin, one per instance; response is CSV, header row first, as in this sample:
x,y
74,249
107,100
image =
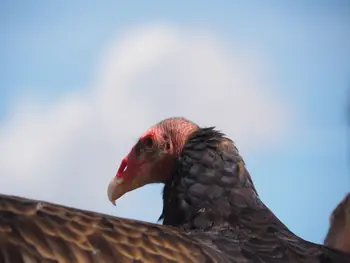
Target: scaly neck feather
x,y
209,184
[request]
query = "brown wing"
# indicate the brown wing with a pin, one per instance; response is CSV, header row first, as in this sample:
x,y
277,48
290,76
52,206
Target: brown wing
x,y
338,235
33,231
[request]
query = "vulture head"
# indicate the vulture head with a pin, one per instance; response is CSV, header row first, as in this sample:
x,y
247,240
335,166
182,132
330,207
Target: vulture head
x,y
151,158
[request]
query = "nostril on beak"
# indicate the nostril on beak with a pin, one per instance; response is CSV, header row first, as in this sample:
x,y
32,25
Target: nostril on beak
x,y
123,166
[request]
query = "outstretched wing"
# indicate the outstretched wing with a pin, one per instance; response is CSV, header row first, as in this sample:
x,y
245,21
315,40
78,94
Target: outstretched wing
x,y
33,231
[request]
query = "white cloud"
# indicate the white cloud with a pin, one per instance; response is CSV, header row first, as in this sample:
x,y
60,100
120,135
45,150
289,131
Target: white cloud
x,y
67,152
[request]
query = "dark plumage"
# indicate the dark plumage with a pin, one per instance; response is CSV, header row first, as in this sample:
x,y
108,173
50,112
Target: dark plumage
x,y
211,195
338,235
211,212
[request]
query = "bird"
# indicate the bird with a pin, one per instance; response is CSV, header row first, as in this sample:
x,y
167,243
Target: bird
x,y
211,211
338,235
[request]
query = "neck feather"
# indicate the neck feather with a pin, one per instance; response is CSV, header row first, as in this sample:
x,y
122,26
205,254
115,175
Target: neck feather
x,y
209,184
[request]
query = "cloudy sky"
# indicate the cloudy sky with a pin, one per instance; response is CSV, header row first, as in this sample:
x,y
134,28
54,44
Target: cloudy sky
x,y
80,81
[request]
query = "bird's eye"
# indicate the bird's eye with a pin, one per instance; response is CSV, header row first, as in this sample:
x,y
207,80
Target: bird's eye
x,y
148,141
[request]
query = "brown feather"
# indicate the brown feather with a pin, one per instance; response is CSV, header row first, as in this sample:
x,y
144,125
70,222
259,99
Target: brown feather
x,y
32,231
338,235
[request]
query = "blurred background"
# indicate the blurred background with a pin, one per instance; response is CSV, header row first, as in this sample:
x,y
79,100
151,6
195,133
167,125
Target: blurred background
x,y
81,81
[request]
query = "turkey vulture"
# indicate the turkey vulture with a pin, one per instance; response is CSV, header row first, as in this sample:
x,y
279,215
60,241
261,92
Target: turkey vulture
x,y
338,235
211,212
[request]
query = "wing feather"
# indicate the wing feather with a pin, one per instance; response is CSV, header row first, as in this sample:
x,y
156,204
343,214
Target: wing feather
x,y
32,231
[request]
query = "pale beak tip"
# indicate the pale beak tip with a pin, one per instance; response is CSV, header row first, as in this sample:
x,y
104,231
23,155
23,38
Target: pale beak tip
x,y
112,190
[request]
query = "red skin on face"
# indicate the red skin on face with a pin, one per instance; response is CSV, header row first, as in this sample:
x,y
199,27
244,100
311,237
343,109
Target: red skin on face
x,y
152,158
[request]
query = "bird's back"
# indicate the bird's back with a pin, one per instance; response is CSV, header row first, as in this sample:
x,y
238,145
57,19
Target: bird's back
x,y
213,198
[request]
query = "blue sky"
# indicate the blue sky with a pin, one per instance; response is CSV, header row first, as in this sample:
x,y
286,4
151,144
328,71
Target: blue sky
x,y
56,53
